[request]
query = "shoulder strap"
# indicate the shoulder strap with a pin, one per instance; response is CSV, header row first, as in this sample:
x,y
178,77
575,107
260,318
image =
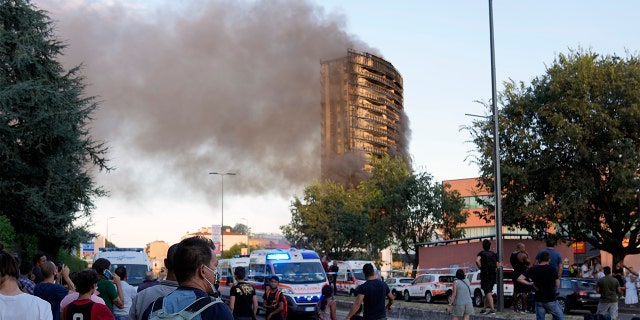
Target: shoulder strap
x,y
467,286
198,307
157,305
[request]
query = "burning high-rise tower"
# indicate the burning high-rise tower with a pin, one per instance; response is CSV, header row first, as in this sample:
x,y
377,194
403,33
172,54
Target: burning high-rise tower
x,y
362,115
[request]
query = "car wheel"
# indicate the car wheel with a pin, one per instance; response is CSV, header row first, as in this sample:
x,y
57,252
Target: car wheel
x,y
563,305
407,297
477,299
428,297
449,295
352,293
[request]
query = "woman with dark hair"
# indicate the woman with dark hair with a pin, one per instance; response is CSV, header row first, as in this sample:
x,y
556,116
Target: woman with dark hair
x,y
460,304
15,304
326,308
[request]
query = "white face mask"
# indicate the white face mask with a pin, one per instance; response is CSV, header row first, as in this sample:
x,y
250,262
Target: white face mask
x,y
213,288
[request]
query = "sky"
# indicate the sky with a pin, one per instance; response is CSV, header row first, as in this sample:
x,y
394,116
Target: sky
x,y
191,87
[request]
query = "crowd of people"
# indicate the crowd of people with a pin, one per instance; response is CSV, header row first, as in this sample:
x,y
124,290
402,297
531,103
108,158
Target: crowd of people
x,y
45,291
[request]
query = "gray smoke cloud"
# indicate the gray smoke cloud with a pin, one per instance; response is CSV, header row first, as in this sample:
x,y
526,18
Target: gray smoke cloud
x,y
199,86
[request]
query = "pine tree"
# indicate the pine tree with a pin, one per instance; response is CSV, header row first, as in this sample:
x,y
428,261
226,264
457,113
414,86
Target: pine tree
x,y
46,150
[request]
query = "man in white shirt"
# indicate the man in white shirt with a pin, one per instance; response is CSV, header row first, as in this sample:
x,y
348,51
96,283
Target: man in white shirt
x,y
128,293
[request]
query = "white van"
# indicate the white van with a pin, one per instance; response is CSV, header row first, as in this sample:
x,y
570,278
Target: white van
x,y
350,275
135,260
301,277
226,268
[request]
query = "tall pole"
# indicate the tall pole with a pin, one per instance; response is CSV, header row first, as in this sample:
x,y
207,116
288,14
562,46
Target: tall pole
x,y
222,209
496,164
106,236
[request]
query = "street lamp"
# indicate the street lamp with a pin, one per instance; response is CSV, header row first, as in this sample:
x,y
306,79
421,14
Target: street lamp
x,y
496,163
222,207
106,236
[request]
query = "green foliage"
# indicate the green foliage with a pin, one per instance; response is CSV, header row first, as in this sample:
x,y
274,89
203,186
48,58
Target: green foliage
x,y
393,205
7,232
236,250
74,263
240,228
46,152
570,151
329,220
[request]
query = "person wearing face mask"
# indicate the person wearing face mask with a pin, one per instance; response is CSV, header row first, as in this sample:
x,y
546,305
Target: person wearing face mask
x,y
195,266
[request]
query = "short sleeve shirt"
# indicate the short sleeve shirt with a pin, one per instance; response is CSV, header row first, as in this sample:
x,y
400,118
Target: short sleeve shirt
x,y
243,305
52,293
375,292
544,278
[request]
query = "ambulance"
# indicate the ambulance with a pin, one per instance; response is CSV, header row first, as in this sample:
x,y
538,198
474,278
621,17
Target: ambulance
x,y
226,268
301,277
350,275
135,260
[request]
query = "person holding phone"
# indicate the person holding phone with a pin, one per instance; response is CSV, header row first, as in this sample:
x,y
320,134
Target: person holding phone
x,y
110,294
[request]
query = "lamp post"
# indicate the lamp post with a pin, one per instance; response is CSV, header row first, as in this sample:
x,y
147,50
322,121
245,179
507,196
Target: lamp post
x,y
106,235
496,164
222,208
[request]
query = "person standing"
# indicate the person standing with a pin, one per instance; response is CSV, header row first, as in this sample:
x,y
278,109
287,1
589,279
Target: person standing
x,y
630,289
243,300
128,293
555,259
85,307
195,265
325,264
461,304
487,261
520,262
26,269
609,288
150,280
15,304
112,295
326,307
333,273
50,291
38,260
273,300
144,298
372,293
545,285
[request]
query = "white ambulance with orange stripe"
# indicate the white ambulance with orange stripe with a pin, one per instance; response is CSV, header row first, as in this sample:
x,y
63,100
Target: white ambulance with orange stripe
x,y
350,275
301,276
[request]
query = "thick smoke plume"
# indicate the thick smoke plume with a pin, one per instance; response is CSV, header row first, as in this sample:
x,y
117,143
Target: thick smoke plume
x,y
199,86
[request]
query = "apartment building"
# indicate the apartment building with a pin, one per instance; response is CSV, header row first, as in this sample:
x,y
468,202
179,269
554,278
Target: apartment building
x,y
362,115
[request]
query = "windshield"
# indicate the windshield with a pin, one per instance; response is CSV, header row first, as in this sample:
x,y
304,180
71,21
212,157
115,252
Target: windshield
x,y
299,272
135,272
406,280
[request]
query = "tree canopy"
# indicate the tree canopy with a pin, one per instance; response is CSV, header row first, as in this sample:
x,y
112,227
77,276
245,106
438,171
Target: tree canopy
x,y
570,151
46,150
393,206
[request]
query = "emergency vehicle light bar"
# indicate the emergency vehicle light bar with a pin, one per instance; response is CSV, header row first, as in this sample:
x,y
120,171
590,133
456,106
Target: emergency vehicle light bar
x,y
278,256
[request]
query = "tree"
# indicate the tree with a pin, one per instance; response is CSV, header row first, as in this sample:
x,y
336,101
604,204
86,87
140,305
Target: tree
x,y
240,228
46,152
329,220
430,208
570,151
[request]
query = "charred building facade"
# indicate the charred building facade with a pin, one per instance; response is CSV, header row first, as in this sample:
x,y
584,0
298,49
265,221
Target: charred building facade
x,y
362,115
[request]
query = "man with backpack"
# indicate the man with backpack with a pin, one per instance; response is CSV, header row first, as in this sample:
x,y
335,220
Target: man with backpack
x,y
487,261
195,266
274,301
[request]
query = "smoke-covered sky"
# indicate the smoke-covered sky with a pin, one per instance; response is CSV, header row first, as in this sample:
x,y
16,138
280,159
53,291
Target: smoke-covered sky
x,y
189,87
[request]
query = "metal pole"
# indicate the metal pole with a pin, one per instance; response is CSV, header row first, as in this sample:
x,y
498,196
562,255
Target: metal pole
x,y
496,159
222,209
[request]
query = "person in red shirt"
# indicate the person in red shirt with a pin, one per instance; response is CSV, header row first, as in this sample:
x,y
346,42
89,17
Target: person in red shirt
x,y
84,308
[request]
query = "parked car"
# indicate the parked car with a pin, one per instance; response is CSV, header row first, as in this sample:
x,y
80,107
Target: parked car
x,y
578,293
429,286
478,295
397,284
